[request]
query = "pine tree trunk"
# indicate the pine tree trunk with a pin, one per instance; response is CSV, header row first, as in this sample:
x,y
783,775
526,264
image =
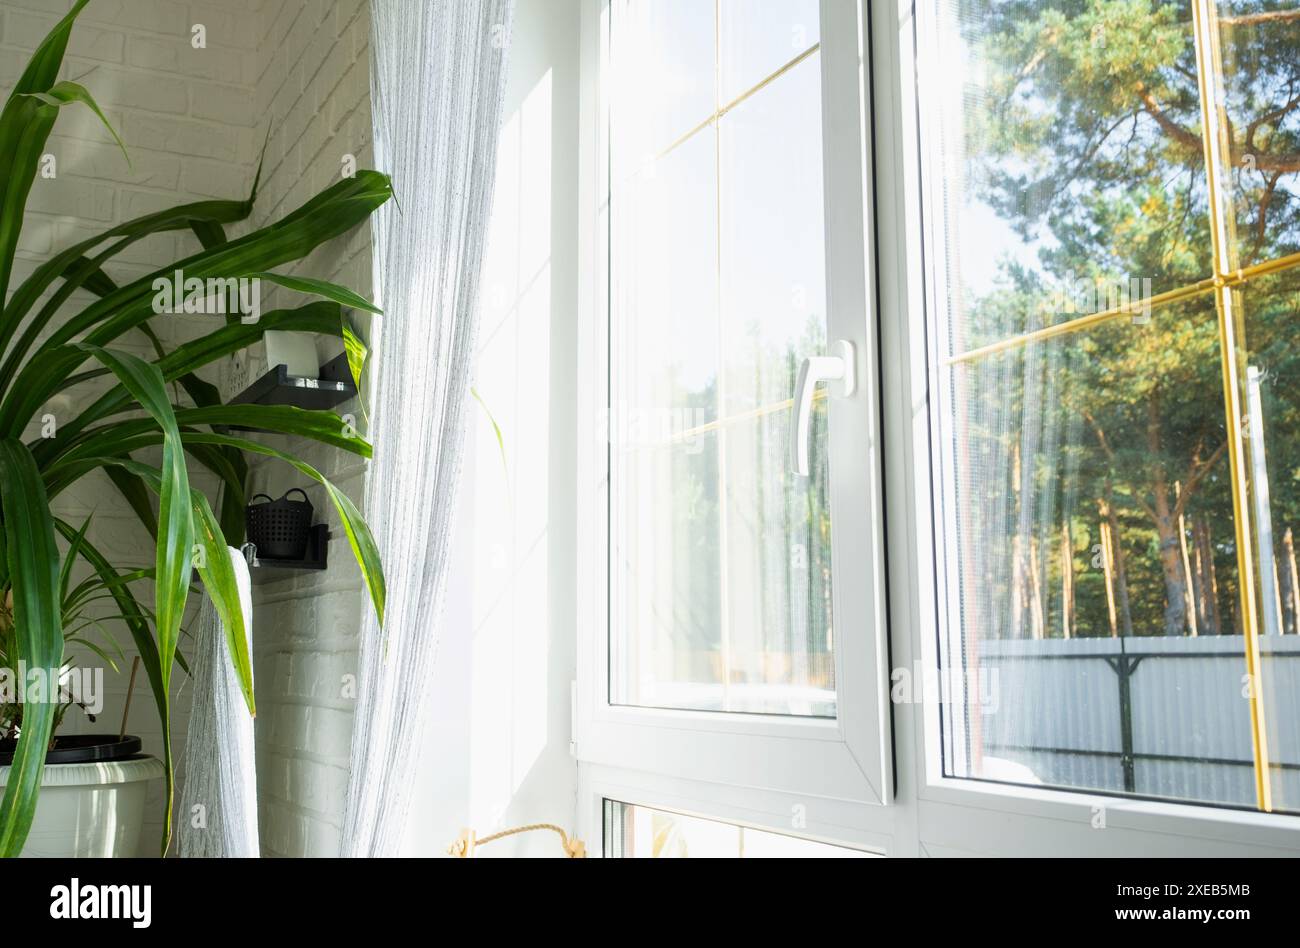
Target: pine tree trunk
x,y
1292,610
1121,572
1171,561
1038,623
1108,568
1189,596
1202,576
1067,580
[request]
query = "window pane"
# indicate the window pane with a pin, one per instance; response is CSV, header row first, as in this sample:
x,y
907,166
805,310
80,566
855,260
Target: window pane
x,y
665,280
665,56
1098,644
778,573
761,36
667,577
720,558
638,832
1066,159
1260,42
1095,635
773,238
1271,311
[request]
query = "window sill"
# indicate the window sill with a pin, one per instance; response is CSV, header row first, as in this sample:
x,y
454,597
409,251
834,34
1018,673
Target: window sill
x,y
1275,831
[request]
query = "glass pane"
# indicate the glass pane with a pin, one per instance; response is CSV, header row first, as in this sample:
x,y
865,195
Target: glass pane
x,y
1099,645
664,269
761,36
1260,42
666,577
778,655
720,569
664,54
639,832
1067,166
1271,313
773,238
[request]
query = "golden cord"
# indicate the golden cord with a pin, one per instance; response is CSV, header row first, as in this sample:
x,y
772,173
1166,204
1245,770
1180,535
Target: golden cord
x,y
467,843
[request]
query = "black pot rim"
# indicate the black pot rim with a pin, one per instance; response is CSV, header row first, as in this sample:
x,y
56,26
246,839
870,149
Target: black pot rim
x,y
81,749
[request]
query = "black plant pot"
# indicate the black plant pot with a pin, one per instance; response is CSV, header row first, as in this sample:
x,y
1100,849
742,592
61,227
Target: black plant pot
x,y
81,749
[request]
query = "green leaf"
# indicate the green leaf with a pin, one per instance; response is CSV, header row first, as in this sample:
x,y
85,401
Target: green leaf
x,y
65,93
45,62
354,525
496,429
209,233
218,577
175,525
25,125
33,565
123,437
330,291
65,574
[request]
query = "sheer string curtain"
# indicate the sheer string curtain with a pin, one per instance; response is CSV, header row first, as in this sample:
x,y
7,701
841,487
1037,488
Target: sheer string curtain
x,y
438,72
217,811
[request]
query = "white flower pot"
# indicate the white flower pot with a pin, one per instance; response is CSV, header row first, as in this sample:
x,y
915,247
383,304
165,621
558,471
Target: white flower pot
x,y
92,809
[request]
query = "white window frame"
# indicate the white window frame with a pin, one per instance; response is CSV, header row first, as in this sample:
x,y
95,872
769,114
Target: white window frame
x,y
719,769
847,757
955,814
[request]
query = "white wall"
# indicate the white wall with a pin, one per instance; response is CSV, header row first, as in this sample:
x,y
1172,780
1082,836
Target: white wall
x,y
497,747
185,116
313,97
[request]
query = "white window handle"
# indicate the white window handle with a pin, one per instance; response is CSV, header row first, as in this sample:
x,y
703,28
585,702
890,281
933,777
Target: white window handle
x,y
839,367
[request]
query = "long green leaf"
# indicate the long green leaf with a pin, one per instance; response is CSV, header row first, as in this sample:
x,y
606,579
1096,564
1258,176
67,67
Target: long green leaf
x,y
25,125
322,288
218,577
33,562
175,525
65,573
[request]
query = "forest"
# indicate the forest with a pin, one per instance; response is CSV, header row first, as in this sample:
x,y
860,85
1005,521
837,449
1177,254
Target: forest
x,y
1093,490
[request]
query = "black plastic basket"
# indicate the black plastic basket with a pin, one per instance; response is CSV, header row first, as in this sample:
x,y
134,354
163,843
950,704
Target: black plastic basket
x,y
280,528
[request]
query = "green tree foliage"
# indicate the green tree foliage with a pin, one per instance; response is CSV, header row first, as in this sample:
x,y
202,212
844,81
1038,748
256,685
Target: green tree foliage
x,y
1085,137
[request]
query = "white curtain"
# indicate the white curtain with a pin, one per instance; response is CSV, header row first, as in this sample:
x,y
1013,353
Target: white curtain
x,y
438,71
217,815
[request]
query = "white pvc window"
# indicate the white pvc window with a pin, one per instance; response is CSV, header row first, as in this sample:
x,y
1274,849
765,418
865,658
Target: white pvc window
x,y
736,628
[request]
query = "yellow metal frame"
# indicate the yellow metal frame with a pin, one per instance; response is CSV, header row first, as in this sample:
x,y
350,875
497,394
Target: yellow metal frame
x,y
1226,280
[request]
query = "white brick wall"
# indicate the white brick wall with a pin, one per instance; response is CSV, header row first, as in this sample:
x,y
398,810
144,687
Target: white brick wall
x,y
313,94
185,116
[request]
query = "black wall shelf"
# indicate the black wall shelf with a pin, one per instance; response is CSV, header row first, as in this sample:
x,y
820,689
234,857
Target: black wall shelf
x,y
278,387
268,570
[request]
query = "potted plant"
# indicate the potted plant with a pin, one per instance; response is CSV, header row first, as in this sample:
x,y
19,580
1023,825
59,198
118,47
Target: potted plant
x,y
46,352
94,785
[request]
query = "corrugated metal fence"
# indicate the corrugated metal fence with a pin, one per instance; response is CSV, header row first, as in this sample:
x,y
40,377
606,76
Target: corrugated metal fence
x,y
1152,716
